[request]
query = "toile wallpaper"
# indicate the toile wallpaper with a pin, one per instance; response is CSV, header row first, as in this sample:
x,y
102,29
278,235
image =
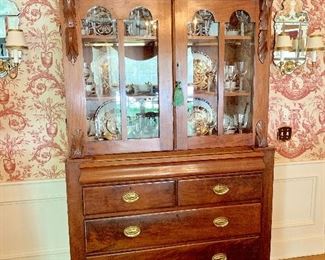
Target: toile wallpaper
x,y
33,141
298,100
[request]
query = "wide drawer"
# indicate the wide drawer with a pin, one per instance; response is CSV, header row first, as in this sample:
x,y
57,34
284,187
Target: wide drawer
x,y
235,249
147,230
117,198
219,189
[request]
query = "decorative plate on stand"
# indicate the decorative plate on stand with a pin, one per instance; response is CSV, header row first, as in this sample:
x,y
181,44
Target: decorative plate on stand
x,y
108,121
202,67
201,118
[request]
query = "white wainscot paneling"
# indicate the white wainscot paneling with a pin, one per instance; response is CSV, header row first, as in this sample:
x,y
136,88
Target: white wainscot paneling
x,y
33,221
298,210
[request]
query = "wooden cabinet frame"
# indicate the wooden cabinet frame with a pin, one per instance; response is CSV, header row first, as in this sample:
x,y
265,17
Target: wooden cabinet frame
x,y
107,170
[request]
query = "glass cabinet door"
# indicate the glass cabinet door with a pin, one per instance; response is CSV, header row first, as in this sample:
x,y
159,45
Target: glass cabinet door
x,y
124,77
141,74
218,79
238,74
101,75
202,69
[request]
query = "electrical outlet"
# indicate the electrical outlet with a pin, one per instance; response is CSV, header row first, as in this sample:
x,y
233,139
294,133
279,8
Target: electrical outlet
x,y
284,133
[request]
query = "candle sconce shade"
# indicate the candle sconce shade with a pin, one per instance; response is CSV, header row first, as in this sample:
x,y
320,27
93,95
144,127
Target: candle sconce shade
x,y
12,41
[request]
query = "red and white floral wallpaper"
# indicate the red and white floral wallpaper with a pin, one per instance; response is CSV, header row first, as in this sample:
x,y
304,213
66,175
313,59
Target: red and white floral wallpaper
x,y
298,100
33,141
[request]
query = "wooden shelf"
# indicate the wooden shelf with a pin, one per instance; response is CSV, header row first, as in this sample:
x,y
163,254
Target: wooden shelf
x,y
203,40
99,38
128,40
142,96
238,37
236,93
204,93
101,99
135,39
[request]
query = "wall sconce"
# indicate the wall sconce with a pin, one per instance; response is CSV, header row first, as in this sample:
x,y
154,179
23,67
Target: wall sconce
x,y
283,44
315,44
11,50
291,41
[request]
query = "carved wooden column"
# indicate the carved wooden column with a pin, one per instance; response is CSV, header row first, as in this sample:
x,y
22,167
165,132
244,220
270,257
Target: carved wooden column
x,y
265,12
70,30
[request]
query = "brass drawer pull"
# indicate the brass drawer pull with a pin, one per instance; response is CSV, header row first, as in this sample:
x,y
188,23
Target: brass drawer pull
x,y
132,231
221,222
220,189
130,197
219,256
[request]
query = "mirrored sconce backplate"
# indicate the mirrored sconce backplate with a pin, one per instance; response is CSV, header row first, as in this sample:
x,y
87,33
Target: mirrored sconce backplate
x,y
290,28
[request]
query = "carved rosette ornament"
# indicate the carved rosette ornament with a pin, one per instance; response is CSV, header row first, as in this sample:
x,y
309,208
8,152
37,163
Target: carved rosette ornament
x,y
265,12
70,30
77,145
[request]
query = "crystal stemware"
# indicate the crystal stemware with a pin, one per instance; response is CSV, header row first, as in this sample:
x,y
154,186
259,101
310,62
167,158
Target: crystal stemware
x,y
241,67
230,75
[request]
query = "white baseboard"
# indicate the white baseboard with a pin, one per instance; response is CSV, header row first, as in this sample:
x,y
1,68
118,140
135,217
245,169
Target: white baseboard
x,y
304,246
60,254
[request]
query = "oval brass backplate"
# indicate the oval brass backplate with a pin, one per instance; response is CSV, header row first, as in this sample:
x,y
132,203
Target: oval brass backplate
x,y
221,222
220,189
132,231
130,197
219,256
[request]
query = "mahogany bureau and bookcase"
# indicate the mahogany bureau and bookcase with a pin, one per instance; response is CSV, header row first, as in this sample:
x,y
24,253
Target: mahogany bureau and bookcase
x,y
167,122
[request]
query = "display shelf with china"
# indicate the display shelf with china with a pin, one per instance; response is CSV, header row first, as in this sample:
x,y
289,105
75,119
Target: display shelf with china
x,y
221,68
131,57
202,67
121,56
239,74
167,119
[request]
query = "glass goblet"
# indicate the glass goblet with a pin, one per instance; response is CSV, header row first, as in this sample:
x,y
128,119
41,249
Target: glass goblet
x,y
241,67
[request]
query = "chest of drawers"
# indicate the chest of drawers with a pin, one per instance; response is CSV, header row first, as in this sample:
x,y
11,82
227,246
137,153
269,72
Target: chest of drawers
x,y
174,205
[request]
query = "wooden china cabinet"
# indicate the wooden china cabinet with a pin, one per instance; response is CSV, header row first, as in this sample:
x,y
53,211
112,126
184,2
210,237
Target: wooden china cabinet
x,y
167,119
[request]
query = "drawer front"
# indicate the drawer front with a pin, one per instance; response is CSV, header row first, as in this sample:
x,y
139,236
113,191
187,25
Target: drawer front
x,y
219,189
243,249
141,231
117,198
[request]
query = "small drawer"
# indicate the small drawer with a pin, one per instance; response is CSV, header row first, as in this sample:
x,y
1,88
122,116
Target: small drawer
x,y
116,234
234,249
219,189
117,198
